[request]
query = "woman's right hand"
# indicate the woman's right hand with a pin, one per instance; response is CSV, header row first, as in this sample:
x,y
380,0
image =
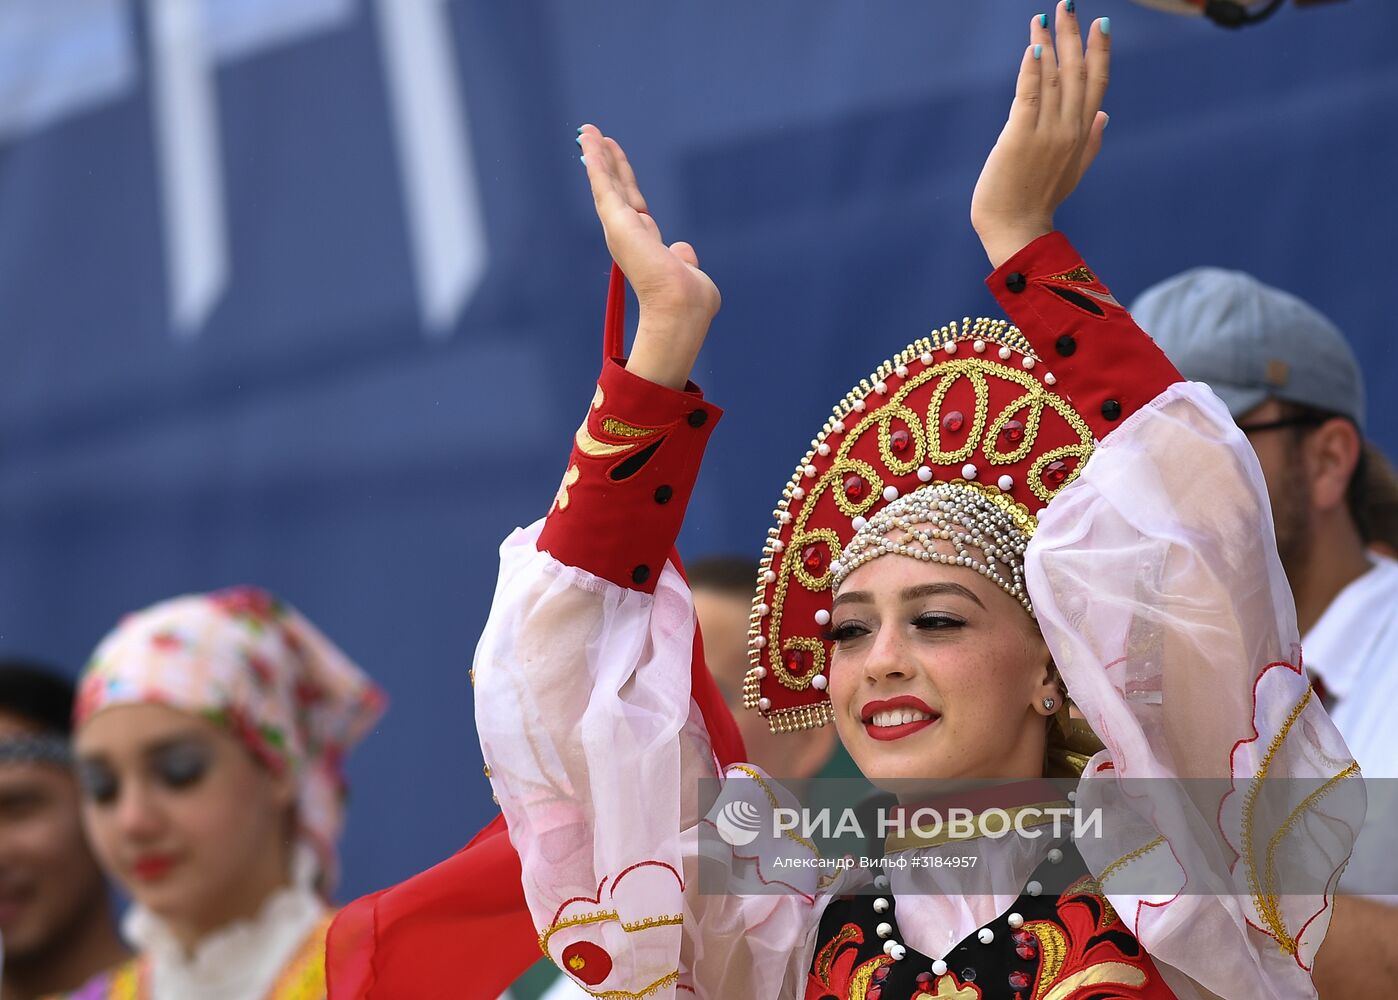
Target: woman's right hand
x,y
678,301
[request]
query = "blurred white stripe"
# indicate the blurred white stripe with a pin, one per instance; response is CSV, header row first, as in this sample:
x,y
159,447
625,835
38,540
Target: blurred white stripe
x,y
61,57
240,28
442,198
191,172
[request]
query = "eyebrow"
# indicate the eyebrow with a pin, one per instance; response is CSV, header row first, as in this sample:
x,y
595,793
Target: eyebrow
x,y
912,594
152,750
19,785
22,795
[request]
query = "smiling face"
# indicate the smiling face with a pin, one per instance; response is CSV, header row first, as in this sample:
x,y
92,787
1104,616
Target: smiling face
x,y
49,880
937,674
182,816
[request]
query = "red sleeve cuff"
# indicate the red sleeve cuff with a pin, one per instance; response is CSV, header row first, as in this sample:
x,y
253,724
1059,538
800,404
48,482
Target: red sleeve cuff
x,y
635,459
1101,360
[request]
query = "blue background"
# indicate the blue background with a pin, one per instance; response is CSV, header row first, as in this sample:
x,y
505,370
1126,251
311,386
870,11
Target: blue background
x,y
820,155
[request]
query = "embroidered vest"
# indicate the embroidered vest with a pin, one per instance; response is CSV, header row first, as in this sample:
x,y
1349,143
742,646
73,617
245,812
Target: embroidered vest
x,y
1069,946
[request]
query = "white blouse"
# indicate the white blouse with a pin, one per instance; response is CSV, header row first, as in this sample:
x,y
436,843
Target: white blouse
x,y
239,962
1155,580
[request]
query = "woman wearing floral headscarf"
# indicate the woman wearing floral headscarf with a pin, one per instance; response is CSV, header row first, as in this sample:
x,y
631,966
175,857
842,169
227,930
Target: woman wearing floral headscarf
x,y
209,735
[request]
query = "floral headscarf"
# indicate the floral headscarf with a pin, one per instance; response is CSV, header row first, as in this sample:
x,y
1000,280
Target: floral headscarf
x,y
248,662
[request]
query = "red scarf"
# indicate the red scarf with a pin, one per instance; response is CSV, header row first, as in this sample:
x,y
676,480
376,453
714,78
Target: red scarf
x,y
461,928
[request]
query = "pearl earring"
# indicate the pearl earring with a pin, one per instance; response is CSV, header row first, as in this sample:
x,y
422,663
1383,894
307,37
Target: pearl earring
x,y
1048,704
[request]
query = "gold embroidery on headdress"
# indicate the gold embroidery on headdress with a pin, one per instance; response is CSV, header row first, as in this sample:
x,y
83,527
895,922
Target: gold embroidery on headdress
x,y
910,438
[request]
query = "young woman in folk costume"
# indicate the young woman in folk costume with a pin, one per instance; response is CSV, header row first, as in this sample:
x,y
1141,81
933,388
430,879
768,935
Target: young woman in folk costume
x,y
945,566
209,734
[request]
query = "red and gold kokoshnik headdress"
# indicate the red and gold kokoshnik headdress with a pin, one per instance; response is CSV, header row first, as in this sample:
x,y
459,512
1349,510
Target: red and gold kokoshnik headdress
x,y
973,407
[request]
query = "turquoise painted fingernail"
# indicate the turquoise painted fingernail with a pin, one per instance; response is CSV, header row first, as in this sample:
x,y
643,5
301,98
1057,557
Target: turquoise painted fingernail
x,y
1105,24
1043,20
578,140
1071,6
1038,51
580,128
582,160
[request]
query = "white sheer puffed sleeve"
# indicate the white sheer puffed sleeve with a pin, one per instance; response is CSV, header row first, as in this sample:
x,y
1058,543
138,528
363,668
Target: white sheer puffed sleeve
x,y
1231,800
598,756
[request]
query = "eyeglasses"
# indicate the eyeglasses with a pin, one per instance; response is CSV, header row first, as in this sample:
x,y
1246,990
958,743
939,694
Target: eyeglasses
x,y
1300,420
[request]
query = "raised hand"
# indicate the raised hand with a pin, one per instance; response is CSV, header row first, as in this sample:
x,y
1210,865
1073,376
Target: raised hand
x,y
678,301
1053,134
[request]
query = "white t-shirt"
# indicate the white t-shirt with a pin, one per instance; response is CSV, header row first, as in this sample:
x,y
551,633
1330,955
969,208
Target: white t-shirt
x,y
1353,648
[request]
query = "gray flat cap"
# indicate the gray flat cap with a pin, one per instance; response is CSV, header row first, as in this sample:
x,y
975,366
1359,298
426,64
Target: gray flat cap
x,y
1251,342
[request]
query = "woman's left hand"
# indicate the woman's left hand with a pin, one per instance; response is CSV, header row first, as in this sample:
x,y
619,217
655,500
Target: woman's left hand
x,y
1053,134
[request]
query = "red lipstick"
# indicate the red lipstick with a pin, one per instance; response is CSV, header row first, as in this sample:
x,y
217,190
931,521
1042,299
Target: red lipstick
x,y
152,867
888,733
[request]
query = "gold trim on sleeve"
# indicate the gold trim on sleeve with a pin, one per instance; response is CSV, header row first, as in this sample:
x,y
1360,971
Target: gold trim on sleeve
x,y
1126,859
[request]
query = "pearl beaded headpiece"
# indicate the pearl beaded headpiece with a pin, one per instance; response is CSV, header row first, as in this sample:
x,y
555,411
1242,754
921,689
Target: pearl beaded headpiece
x,y
983,533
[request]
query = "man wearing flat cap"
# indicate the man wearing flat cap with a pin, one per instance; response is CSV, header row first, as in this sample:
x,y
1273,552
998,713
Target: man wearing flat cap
x,y
1294,387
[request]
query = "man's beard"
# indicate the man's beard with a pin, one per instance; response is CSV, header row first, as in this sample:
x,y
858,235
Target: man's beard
x,y
1292,518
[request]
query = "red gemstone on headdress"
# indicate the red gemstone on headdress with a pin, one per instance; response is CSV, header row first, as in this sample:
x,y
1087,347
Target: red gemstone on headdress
x,y
815,558
1019,980
1056,471
924,979
1013,432
900,441
873,993
796,663
855,487
881,973
954,421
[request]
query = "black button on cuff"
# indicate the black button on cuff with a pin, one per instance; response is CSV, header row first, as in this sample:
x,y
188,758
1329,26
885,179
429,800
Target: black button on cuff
x,y
1015,282
640,574
698,418
1066,346
1111,410
664,494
